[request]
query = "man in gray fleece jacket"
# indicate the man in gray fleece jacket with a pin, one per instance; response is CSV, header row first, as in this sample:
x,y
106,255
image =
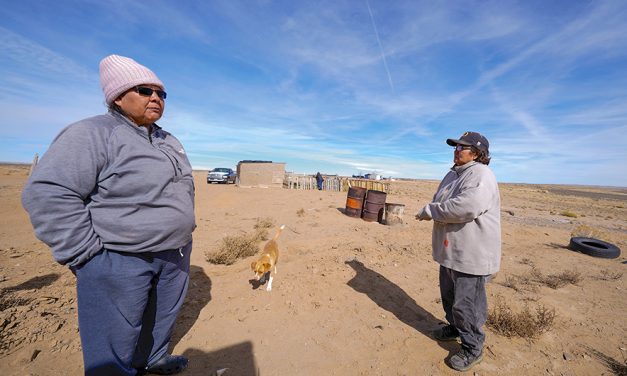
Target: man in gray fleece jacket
x,y
113,197
466,243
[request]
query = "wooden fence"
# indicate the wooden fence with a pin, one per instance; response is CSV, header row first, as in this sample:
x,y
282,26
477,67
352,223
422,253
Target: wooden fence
x,y
332,183
376,185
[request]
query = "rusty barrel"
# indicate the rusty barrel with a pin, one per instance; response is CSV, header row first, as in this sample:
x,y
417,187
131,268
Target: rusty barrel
x,y
374,206
355,201
394,214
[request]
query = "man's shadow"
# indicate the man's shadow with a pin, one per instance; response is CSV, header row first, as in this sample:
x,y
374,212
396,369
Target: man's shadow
x,y
198,296
395,300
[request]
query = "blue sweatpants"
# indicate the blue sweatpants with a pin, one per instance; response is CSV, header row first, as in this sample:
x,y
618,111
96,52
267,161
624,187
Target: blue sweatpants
x,y
127,306
465,305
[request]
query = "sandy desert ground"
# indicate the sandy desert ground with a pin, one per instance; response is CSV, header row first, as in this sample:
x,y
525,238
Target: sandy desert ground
x,y
351,297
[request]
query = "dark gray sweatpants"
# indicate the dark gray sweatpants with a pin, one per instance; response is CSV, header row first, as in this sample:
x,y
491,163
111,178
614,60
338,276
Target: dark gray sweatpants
x,y
127,306
466,306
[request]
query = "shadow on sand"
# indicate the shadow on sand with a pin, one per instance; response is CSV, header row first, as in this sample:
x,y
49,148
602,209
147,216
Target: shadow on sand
x,y
198,296
395,300
238,359
35,283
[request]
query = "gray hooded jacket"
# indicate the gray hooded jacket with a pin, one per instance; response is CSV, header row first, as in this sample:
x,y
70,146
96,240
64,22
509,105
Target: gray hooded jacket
x,y
106,183
466,211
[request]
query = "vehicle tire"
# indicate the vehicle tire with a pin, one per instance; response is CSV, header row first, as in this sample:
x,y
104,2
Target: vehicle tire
x,y
594,247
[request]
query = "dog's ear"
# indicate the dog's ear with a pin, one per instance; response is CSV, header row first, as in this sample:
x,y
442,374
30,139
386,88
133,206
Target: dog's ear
x,y
253,265
266,266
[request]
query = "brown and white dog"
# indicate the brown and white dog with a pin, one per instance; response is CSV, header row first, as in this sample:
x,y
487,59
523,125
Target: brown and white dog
x,y
268,259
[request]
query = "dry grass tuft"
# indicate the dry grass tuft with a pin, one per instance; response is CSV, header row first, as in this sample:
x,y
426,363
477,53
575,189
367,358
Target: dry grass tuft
x,y
535,277
586,231
300,212
9,300
556,281
233,248
607,275
527,261
264,223
511,282
526,324
261,228
520,283
568,213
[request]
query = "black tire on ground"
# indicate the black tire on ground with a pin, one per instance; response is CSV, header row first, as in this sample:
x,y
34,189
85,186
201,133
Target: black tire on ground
x,y
594,247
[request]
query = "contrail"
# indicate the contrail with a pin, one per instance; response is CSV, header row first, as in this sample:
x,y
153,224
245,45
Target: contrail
x,y
376,33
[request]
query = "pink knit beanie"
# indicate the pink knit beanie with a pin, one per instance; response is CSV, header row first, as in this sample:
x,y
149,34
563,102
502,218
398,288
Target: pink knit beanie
x,y
119,73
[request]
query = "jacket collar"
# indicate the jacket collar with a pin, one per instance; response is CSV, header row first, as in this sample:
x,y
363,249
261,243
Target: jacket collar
x,y
460,169
143,131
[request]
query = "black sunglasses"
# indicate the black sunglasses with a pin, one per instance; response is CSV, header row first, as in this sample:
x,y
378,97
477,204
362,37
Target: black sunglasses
x,y
459,147
147,92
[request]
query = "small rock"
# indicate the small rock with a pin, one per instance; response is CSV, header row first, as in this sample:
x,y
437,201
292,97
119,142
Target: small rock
x,y
568,356
34,354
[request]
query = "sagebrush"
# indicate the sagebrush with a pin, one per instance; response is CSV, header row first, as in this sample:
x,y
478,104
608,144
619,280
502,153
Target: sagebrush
x,y
526,323
530,281
235,247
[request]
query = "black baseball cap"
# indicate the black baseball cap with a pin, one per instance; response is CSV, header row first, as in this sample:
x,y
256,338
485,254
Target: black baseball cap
x,y
471,139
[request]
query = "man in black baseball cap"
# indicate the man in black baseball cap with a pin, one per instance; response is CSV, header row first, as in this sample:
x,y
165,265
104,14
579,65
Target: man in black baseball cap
x,y
466,242
474,140
471,139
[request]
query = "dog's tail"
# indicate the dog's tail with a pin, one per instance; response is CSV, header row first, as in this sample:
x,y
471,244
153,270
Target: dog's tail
x,y
278,232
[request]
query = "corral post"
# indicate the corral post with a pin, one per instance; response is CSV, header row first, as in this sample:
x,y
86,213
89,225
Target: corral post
x,y
32,166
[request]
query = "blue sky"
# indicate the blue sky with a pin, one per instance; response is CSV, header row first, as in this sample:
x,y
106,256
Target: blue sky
x,y
338,86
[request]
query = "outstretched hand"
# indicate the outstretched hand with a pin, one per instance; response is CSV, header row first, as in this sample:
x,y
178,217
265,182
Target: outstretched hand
x,y
423,217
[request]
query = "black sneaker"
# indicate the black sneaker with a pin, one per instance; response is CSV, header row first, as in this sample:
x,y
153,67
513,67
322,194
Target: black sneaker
x,y
446,333
464,360
168,365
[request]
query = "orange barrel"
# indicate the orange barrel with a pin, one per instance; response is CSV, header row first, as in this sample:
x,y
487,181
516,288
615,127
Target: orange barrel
x,y
374,206
355,201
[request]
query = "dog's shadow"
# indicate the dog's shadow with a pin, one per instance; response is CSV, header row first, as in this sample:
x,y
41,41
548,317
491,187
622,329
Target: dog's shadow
x,y
395,300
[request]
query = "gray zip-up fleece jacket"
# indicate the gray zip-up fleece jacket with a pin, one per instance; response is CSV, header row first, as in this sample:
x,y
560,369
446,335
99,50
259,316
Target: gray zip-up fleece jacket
x,y
106,183
466,211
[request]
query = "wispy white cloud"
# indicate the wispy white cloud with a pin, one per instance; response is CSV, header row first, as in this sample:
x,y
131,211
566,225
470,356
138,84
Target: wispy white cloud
x,y
22,53
309,83
376,33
